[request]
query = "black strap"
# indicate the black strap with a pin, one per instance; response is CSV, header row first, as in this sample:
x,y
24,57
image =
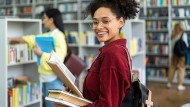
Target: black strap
x,y
181,35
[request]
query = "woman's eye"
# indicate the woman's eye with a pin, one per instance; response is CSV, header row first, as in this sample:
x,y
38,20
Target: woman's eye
x,y
95,22
105,21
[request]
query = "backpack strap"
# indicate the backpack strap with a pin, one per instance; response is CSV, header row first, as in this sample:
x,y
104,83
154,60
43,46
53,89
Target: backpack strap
x,y
134,77
181,35
129,62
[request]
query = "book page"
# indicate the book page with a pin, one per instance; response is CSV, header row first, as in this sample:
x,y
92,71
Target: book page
x,y
63,73
61,101
54,58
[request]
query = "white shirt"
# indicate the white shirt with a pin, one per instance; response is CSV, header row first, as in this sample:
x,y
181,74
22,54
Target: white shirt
x,y
47,77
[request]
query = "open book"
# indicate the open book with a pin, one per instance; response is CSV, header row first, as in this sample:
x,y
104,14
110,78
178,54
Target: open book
x,y
67,78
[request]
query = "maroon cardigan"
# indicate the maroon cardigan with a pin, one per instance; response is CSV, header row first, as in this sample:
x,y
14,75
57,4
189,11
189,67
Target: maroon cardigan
x,y
108,79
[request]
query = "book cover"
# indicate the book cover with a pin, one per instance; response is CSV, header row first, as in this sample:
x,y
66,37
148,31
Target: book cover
x,y
69,97
63,73
46,44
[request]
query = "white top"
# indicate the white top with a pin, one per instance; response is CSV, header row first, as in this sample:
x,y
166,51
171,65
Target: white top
x,y
47,77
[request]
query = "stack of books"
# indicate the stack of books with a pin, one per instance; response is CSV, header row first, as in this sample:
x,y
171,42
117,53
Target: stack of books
x,y
61,97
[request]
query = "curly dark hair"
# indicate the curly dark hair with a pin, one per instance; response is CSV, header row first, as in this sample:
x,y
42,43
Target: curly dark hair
x,y
121,8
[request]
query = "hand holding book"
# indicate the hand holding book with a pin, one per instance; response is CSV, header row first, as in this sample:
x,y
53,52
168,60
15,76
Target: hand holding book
x,y
72,97
37,50
68,90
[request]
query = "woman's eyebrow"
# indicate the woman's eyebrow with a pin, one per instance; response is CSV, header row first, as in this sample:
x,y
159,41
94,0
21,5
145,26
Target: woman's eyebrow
x,y
100,18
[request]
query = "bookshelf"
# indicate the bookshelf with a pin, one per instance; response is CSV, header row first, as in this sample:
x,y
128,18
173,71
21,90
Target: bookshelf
x,y
180,12
157,39
12,27
160,17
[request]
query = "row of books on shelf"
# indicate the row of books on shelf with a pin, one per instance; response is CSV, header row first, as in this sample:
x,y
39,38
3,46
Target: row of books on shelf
x,y
157,2
157,12
84,5
6,11
23,10
180,2
5,2
157,72
8,2
86,38
18,11
157,61
136,45
69,16
161,37
67,7
72,37
19,53
157,49
150,25
181,12
162,73
21,91
23,1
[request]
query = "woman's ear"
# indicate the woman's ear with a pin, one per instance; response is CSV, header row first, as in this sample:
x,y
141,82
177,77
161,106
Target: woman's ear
x,y
51,19
121,22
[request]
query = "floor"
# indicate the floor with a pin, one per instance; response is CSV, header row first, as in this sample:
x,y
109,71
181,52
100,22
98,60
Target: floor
x,y
164,97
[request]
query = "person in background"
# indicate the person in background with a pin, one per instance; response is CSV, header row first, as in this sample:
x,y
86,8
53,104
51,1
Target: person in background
x,y
108,80
177,62
53,22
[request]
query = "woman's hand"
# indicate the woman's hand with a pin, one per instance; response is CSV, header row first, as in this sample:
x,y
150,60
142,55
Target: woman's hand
x,y
12,41
15,40
37,50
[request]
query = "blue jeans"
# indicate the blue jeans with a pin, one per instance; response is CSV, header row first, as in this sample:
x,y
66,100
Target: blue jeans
x,y
55,84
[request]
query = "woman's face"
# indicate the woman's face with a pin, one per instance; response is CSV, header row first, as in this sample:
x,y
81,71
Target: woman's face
x,y
47,21
106,26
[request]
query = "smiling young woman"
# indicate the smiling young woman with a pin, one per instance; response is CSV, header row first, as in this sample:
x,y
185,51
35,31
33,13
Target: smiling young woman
x,y
108,79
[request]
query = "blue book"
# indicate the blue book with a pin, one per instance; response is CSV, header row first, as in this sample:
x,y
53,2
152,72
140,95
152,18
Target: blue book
x,y
46,44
